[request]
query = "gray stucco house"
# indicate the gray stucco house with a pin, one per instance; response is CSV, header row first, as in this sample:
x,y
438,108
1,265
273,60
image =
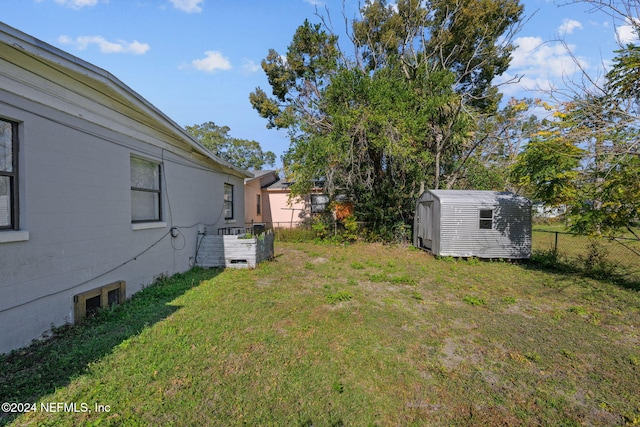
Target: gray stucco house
x,y
473,223
100,192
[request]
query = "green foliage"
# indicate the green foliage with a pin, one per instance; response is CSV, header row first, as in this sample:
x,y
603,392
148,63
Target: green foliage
x,y
473,261
547,169
351,229
504,134
321,226
588,156
509,300
403,279
596,263
242,153
622,78
339,296
545,258
398,114
578,310
612,204
471,300
357,265
533,357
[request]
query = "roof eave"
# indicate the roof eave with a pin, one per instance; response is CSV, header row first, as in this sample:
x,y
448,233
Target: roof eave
x,y
16,38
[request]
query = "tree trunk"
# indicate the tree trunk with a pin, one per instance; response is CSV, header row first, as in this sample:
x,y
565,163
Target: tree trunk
x,y
438,152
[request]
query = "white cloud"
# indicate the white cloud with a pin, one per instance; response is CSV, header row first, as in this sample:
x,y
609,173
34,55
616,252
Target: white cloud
x,y
105,46
392,5
77,4
315,2
626,34
542,66
189,6
212,62
250,66
551,59
568,26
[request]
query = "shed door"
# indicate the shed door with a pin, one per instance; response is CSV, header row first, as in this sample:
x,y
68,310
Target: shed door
x,y
426,224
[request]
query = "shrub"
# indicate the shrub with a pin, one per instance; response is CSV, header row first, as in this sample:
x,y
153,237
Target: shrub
x,y
545,258
351,229
595,263
320,227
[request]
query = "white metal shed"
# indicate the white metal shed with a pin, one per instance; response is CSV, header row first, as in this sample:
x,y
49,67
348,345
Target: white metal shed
x,y
473,223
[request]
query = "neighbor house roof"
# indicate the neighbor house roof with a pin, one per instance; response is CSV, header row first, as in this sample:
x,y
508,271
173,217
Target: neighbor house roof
x,y
280,185
84,90
262,174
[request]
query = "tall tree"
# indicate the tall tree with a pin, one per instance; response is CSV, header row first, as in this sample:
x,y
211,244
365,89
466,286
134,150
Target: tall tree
x,y
401,109
501,137
588,159
243,153
594,138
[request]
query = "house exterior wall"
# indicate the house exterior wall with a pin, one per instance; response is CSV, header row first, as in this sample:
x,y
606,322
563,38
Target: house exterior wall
x,y
283,212
76,232
76,206
251,190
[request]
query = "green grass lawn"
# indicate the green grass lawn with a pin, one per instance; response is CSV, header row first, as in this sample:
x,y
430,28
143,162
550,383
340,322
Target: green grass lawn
x,y
329,335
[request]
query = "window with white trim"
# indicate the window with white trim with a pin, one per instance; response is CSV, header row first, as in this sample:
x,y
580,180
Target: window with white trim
x,y
228,201
486,219
258,204
146,190
8,175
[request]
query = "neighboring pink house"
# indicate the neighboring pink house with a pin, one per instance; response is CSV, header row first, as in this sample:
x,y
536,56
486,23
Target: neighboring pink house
x,y
268,200
254,195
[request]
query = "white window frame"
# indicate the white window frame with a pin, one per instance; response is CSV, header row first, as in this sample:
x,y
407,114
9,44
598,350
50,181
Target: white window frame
x,y
228,201
157,191
484,218
10,174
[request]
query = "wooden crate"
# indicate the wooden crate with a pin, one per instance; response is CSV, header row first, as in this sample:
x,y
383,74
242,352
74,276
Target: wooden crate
x,y
234,251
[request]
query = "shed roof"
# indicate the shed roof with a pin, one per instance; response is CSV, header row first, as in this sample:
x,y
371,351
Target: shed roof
x,y
478,196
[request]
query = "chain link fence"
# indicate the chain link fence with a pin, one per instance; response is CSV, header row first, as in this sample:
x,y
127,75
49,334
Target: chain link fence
x,y
607,256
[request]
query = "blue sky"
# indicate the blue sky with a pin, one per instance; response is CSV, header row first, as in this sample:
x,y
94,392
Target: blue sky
x,y
198,60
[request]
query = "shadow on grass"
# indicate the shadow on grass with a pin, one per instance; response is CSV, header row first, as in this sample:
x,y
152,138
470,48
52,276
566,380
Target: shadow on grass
x,y
551,261
32,372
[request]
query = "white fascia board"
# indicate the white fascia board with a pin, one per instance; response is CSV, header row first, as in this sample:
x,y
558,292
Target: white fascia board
x,y
84,106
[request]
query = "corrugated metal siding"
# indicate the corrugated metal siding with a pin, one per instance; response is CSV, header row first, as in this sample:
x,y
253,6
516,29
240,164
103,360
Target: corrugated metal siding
x,y
460,234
